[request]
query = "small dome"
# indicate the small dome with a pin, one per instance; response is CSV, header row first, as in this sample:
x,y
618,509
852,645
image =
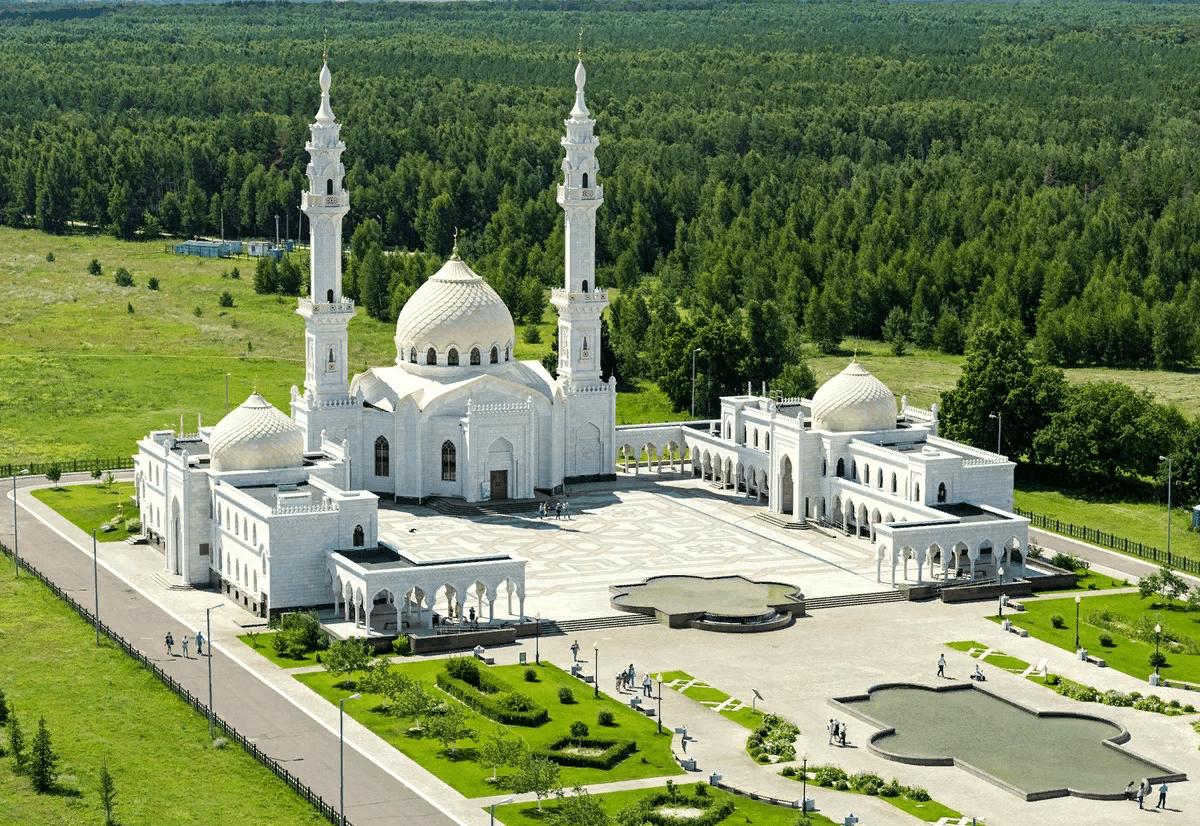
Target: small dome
x,y
853,400
453,309
255,436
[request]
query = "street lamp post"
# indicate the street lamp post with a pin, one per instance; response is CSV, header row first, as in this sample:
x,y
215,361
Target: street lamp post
x,y
1000,610
1157,631
508,799
659,678
208,633
537,640
1078,600
277,229
342,758
16,543
596,648
382,234
999,426
96,585
804,784
694,352
1167,459
227,392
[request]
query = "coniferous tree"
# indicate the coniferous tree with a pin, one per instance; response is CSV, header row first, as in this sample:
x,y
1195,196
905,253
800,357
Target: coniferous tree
x,y
43,762
108,794
16,741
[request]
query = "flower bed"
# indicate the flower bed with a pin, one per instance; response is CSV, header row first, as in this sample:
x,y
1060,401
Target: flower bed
x,y
491,697
612,752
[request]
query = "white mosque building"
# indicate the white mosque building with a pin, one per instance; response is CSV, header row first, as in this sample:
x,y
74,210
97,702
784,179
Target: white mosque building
x,y
282,511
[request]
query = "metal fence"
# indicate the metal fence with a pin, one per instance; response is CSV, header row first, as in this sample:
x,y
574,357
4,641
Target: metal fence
x,y
1108,540
68,465
328,811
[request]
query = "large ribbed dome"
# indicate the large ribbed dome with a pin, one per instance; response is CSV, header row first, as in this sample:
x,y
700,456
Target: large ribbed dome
x,y
853,400
255,436
454,310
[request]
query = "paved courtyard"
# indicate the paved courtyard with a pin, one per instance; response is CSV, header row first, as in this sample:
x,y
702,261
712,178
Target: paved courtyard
x,y
623,532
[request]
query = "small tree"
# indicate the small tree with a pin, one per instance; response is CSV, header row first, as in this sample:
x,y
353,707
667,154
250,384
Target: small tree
x,y
16,740
109,479
895,330
449,727
532,334
346,656
579,730
226,299
94,268
43,762
1165,582
578,809
235,273
3,708
97,473
152,284
54,473
108,794
123,277
539,775
501,750
413,702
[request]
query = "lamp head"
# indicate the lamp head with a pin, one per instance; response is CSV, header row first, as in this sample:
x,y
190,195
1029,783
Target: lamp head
x,y
1158,629
991,415
804,757
353,696
1077,599
1163,459
596,646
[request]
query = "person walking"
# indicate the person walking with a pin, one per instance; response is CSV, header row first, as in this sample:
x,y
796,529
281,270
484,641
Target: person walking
x,y
1141,796
199,644
184,642
646,685
1162,797
170,643
566,512
842,736
558,510
829,730
942,665
631,676
575,651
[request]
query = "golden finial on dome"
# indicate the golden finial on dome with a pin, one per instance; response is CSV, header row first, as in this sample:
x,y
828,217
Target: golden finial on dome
x,y
579,53
325,46
454,252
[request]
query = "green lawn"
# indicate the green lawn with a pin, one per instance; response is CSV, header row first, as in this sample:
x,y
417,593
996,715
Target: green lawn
x,y
996,658
461,772
929,811
1127,655
102,707
88,507
706,694
1135,521
748,812
265,648
1087,580
647,404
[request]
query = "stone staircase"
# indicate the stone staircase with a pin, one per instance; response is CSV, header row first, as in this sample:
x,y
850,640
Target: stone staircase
x,y
781,522
847,600
457,507
171,582
552,628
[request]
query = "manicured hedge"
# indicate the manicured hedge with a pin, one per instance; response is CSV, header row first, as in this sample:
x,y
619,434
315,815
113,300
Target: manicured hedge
x,y
614,752
714,812
488,699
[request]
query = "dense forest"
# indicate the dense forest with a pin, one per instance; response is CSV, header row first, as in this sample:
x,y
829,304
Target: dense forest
x,y
772,170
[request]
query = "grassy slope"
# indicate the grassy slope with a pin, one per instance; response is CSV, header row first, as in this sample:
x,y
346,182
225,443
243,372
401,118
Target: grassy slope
x,y
99,706
747,812
1126,655
1135,521
90,506
652,759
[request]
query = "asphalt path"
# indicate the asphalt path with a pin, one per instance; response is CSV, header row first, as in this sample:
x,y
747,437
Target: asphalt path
x,y
374,797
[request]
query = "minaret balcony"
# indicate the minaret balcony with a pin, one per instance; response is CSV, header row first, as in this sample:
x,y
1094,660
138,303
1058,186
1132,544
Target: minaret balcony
x,y
335,201
308,307
579,193
560,295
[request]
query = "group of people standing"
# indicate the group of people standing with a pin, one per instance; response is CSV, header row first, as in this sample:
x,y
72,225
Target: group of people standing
x,y
558,506
1141,792
837,732
183,641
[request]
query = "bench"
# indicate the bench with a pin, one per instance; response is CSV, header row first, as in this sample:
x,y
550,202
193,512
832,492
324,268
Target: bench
x,y
688,764
1016,606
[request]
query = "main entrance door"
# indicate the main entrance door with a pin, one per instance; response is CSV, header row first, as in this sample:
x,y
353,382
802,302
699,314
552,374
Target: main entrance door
x,y
499,484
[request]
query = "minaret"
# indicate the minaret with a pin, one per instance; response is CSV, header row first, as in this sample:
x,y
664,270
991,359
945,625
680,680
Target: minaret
x,y
326,313
579,303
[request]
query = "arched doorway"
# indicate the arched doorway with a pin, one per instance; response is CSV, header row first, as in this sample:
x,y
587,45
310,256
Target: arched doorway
x,y
785,485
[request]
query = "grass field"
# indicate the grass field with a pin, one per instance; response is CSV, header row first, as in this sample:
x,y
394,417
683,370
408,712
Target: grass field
x,y
1130,656
1088,580
1136,521
467,777
90,506
101,707
747,812
261,643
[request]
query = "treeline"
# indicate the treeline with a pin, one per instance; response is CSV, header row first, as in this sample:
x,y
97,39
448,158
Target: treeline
x,y
1098,435
901,170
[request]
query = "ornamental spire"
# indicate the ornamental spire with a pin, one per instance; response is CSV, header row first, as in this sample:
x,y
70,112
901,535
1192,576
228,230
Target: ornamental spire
x,y
325,113
580,111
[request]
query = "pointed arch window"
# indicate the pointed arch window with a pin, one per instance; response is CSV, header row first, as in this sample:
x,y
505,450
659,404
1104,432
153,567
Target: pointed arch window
x,y
767,442
449,461
452,357
917,492
495,355
412,355
585,186
329,296
506,352
824,467
893,483
879,479
475,356
329,186
941,493
431,356
841,468
329,365
359,538
585,283
382,463
866,480
585,349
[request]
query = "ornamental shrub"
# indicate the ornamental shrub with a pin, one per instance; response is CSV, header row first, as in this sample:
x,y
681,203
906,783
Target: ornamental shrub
x,y
579,729
492,698
1158,659
604,717
763,758
917,794
790,771
827,775
891,789
123,277
565,696
862,781
226,299
94,267
614,751
402,646
530,675
1106,640
465,669
152,284
1057,621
